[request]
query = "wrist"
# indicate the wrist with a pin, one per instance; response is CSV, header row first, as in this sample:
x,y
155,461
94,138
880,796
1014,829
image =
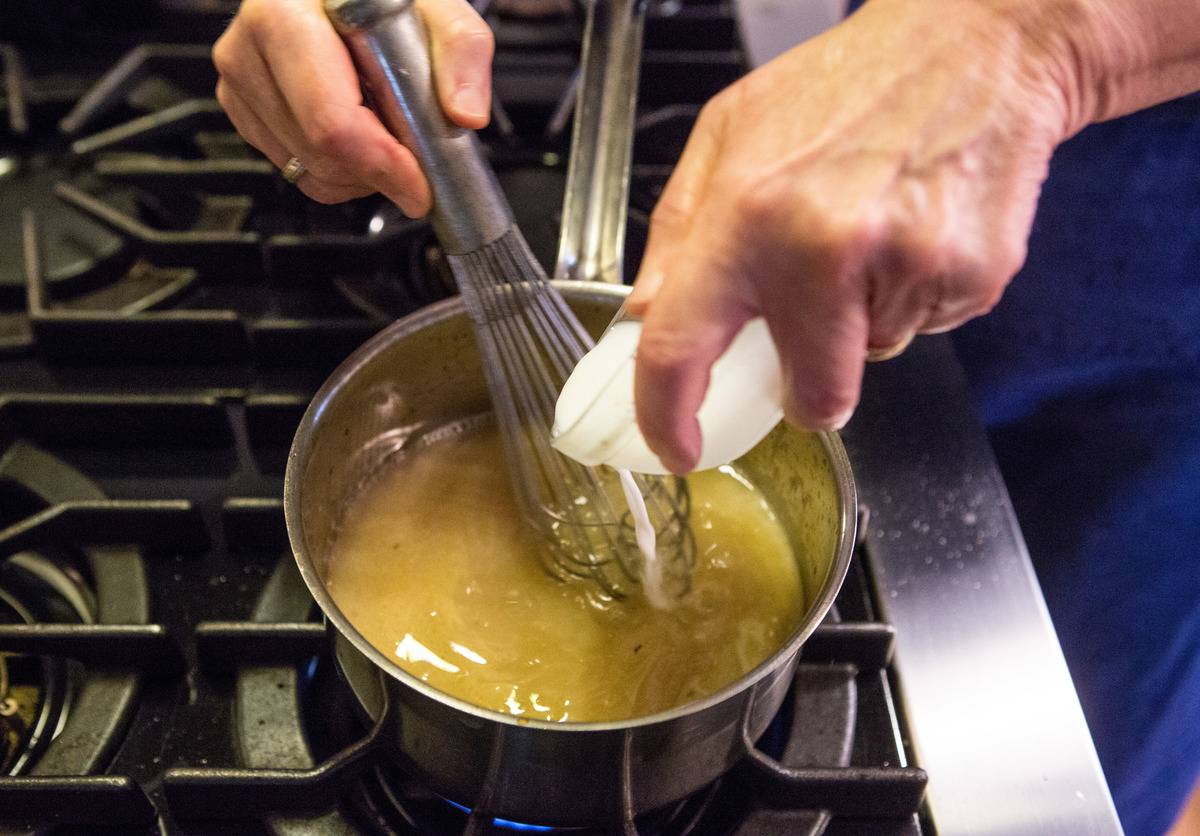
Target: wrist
x,y
1020,54
1107,58
1073,46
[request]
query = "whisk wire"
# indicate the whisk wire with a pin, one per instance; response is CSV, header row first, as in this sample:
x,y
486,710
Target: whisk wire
x,y
530,341
561,476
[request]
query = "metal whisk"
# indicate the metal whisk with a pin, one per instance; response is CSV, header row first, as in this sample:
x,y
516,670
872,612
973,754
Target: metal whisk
x,y
528,337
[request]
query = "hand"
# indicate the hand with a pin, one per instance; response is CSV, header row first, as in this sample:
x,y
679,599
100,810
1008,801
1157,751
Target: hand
x,y
290,88
876,182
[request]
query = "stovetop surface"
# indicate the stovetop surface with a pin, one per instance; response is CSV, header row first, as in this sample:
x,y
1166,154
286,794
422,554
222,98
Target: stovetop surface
x,y
167,306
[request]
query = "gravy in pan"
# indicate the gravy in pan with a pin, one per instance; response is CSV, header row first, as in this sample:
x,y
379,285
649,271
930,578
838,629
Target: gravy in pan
x,y
434,565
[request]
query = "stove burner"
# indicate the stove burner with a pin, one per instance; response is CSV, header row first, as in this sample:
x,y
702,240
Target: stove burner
x,y
35,691
407,807
13,726
79,251
172,223
33,157
63,720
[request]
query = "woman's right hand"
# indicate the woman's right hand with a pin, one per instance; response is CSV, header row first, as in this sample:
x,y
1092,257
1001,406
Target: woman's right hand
x,y
876,182
289,86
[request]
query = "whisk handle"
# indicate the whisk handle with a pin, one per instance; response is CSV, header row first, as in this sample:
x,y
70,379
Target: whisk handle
x,y
390,47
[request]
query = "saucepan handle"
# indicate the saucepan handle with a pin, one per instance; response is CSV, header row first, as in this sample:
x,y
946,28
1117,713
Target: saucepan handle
x,y
596,199
390,46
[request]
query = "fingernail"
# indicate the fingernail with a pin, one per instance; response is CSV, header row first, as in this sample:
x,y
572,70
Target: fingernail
x,y
683,461
805,418
678,466
471,100
678,458
842,420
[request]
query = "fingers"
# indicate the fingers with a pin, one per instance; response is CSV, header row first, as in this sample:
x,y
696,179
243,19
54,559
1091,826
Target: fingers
x,y
851,203
252,128
257,133
462,47
291,89
931,271
316,84
822,342
904,270
693,319
690,319
815,298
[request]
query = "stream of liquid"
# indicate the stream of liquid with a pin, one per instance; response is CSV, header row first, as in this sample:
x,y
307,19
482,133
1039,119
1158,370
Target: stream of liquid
x,y
644,534
434,565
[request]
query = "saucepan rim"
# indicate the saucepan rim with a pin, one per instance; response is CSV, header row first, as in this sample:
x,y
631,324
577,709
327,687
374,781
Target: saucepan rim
x,y
292,487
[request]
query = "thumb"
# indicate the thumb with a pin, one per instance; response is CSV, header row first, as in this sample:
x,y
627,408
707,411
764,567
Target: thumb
x,y
462,45
687,326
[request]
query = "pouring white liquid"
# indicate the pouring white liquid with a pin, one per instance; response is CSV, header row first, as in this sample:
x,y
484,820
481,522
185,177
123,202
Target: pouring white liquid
x,y
643,529
595,422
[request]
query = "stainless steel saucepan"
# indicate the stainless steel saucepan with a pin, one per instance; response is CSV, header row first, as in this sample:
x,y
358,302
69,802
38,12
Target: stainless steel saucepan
x,y
424,372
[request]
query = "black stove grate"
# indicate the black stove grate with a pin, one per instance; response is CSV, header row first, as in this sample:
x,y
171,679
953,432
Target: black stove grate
x,y
268,669
153,232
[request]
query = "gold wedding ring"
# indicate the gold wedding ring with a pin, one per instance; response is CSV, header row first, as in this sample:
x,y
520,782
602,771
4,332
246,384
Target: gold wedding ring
x,y
878,355
293,170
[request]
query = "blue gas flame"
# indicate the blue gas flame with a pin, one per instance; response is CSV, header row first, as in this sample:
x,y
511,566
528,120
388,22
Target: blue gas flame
x,y
511,825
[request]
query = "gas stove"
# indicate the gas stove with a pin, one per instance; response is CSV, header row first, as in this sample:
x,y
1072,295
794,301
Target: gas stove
x,y
168,304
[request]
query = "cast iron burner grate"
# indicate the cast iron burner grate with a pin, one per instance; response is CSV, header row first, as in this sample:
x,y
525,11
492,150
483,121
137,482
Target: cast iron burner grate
x,y
242,725
152,231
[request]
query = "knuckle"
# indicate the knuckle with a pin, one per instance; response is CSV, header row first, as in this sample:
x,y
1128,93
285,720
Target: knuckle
x,y
713,111
757,205
987,277
988,298
713,115
772,209
468,33
968,296
322,193
331,133
378,167
224,56
254,14
667,215
662,352
917,255
835,238
1009,261
717,109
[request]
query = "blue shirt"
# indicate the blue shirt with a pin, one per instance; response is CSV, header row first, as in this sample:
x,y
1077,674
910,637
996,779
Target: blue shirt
x,y
1087,375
